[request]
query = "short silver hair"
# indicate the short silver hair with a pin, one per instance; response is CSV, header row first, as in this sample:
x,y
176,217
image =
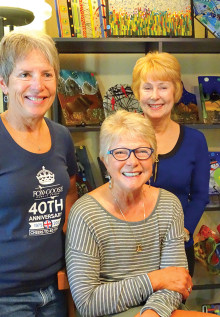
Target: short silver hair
x,y
17,45
123,123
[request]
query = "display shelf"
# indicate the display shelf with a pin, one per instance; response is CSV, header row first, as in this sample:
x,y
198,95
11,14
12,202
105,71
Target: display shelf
x,y
137,45
56,116
212,208
84,129
203,279
204,282
200,297
204,126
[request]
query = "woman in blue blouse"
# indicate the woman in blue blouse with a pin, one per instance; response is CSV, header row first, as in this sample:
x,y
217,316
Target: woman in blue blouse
x,y
183,163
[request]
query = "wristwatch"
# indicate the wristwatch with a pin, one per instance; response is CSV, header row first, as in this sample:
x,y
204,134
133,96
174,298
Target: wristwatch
x,y
186,236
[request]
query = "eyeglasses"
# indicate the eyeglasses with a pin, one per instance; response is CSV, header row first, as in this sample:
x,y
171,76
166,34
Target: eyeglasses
x,y
122,154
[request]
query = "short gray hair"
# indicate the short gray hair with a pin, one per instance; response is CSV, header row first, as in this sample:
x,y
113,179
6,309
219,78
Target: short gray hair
x,y
17,45
126,123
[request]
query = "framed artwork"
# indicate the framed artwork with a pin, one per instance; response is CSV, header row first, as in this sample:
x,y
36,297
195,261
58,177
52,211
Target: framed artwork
x,y
209,89
152,18
80,98
208,13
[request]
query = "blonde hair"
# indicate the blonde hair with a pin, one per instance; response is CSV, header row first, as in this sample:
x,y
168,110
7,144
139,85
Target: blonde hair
x,y
17,45
121,123
157,66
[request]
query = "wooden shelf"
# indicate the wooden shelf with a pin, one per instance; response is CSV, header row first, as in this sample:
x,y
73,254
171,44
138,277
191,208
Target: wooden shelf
x,y
137,45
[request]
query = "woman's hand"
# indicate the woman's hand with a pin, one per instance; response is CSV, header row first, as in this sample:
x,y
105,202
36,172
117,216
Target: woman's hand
x,y
148,313
172,278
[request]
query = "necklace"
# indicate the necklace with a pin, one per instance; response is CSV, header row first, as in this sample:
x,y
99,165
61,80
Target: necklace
x,y
139,247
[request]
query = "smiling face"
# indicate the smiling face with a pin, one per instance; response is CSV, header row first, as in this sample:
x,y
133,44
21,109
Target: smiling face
x,y
131,174
157,98
32,86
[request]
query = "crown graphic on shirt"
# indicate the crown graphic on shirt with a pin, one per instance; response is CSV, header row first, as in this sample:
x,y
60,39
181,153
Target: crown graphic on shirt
x,y
45,177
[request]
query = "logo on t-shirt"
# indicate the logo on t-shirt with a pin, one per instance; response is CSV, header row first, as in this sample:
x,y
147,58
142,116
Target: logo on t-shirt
x,y
46,210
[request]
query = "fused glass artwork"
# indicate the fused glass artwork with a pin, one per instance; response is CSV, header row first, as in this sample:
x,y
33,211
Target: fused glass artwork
x,y
186,110
81,18
80,98
209,88
120,97
141,18
214,182
84,177
208,13
126,18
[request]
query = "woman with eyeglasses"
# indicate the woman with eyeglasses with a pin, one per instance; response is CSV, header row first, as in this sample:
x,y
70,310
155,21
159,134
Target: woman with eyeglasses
x,y
125,239
182,165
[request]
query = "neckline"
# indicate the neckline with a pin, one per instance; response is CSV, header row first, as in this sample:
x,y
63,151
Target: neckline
x,y
176,146
18,147
122,220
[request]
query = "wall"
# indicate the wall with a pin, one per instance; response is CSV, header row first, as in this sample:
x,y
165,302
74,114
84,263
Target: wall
x,y
111,69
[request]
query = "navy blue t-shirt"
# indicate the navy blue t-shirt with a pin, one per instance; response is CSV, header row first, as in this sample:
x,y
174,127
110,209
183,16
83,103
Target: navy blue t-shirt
x,y
185,172
33,189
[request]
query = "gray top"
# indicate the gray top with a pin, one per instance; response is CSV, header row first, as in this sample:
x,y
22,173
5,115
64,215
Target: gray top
x,y
106,274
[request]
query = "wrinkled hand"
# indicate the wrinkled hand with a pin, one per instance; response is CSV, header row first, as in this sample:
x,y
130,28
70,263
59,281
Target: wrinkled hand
x,y
148,313
172,278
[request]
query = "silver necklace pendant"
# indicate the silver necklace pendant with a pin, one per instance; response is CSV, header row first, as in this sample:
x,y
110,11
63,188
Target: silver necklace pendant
x,y
139,248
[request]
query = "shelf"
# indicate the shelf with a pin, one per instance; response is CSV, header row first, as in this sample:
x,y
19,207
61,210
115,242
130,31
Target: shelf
x,y
203,126
97,128
212,208
202,279
84,129
137,45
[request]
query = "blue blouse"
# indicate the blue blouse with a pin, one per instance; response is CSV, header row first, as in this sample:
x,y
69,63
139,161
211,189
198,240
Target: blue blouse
x,y
184,171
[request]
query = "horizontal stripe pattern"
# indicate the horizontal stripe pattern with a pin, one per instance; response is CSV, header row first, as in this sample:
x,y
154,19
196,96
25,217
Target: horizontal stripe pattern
x,y
106,274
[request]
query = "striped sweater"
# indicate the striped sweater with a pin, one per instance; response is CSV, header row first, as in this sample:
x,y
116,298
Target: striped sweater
x,y
106,274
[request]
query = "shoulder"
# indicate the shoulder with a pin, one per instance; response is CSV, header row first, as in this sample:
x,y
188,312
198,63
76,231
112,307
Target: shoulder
x,y
60,132
193,134
167,196
57,127
84,208
169,203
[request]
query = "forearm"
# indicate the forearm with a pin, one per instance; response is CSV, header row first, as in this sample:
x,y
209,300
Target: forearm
x,y
163,302
148,313
95,298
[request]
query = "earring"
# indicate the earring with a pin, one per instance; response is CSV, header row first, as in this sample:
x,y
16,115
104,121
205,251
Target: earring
x,y
149,183
5,98
110,182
